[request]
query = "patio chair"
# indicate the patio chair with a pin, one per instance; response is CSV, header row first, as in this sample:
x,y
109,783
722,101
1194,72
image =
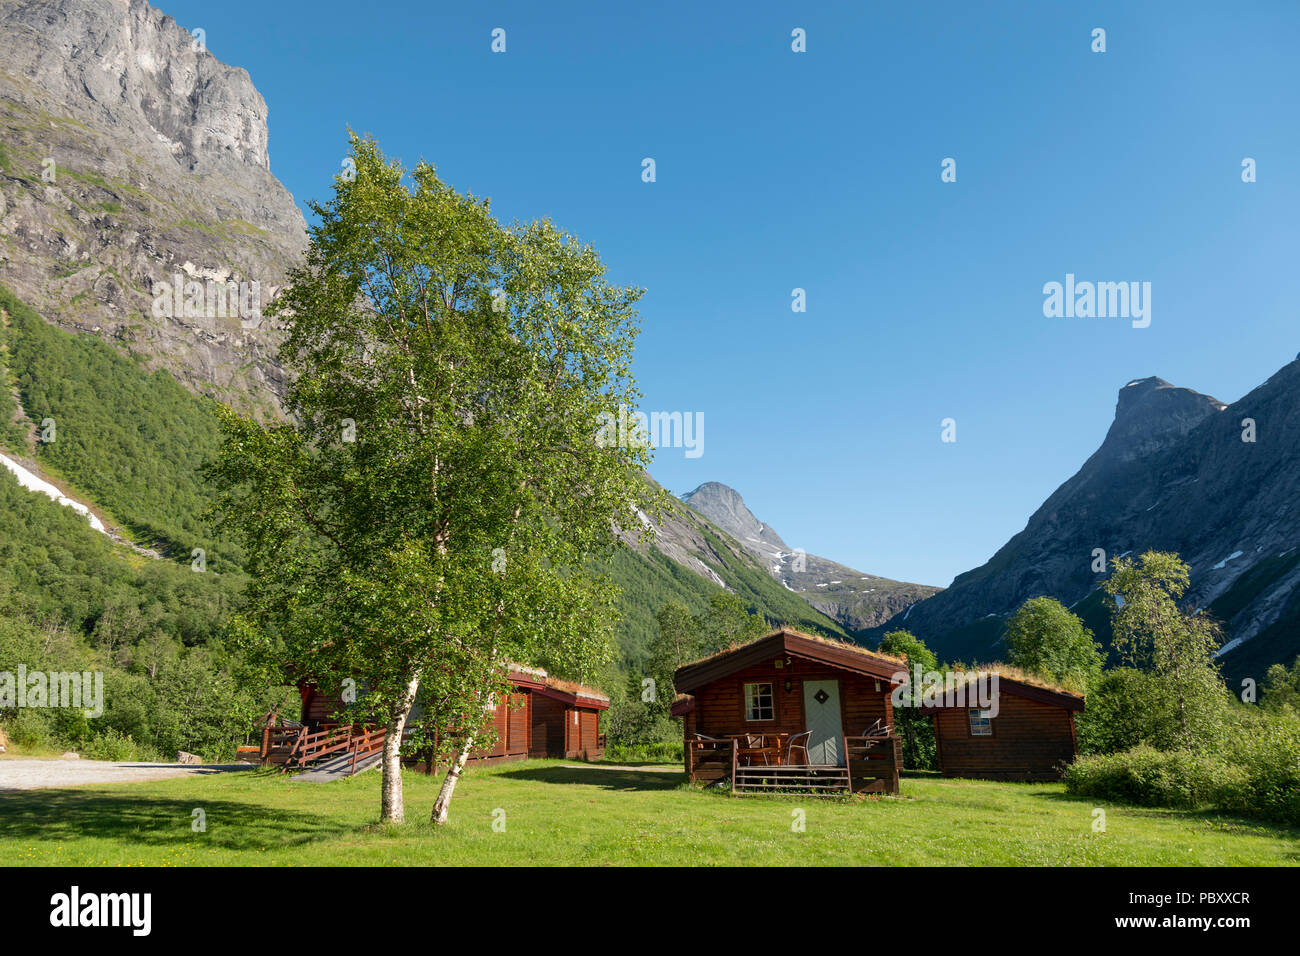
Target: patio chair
x,y
798,742
878,729
757,742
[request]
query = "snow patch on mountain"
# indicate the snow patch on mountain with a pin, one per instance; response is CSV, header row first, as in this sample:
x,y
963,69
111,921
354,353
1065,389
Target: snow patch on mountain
x,y
32,483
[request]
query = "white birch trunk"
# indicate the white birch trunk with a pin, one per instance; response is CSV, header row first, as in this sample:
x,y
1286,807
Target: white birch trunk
x,y
442,806
392,808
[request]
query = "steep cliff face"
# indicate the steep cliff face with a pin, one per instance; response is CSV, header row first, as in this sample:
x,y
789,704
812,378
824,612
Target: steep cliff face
x,y
857,601
1152,415
1173,474
134,160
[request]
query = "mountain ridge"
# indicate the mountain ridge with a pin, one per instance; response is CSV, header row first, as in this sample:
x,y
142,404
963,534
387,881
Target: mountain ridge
x,y
855,599
1177,471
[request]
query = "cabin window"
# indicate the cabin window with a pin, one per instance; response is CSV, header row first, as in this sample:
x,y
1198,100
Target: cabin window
x,y
981,722
758,702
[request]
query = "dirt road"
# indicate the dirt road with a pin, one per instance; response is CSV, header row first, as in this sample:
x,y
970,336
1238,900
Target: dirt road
x,y
22,773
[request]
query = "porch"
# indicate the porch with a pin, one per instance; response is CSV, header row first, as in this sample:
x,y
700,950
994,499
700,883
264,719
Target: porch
x,y
762,763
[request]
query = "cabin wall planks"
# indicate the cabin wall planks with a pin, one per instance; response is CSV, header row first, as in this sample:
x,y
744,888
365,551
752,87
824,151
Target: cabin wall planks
x,y
1031,740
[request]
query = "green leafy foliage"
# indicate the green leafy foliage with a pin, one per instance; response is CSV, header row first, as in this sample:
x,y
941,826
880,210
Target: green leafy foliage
x,y
1155,778
1169,734
1044,638
913,723
1257,772
1176,645
1125,707
197,699
72,599
1282,687
640,715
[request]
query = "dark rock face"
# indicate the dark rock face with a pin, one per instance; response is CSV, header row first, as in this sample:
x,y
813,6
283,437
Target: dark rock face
x,y
857,601
1152,415
1173,474
133,156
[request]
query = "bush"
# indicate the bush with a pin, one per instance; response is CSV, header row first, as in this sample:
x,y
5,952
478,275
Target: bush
x,y
28,730
1126,707
112,745
1267,747
1257,771
645,753
1157,778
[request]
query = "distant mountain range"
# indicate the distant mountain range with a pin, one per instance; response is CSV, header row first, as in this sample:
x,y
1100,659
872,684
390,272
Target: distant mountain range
x,y
1177,471
856,600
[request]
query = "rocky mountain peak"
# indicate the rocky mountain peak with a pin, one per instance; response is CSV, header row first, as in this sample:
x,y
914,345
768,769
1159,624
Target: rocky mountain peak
x,y
726,508
1151,414
856,600
124,63
1178,473
135,162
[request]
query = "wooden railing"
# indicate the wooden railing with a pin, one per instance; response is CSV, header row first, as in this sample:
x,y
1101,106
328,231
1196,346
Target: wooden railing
x,y
311,746
710,760
871,766
277,740
873,763
364,744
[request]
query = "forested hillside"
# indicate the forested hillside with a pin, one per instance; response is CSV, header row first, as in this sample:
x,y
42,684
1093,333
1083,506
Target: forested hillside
x,y
132,440
650,579
128,442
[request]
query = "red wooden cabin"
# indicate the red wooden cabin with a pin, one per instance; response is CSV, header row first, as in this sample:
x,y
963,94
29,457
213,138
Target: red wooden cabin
x,y
1032,737
541,717
745,712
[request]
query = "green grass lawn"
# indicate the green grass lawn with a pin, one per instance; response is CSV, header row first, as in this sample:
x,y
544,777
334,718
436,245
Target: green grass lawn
x,y
556,814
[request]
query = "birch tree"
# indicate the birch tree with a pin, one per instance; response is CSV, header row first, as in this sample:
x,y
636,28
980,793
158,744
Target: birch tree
x,y
1177,646
434,505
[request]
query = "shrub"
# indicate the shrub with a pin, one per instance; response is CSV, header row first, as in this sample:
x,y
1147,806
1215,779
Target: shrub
x,y
1126,707
30,731
647,753
111,745
1156,778
1257,772
1267,747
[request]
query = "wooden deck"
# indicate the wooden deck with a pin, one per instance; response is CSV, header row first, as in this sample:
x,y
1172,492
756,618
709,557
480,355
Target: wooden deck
x,y
872,767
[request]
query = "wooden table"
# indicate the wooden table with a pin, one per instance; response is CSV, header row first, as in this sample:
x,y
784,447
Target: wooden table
x,y
773,746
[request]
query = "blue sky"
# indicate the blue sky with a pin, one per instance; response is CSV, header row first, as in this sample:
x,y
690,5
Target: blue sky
x,y
821,170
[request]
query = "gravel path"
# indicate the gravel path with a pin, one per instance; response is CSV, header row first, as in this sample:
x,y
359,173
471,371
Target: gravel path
x,y
27,774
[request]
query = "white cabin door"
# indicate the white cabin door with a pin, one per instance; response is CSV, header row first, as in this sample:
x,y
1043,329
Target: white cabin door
x,y
821,709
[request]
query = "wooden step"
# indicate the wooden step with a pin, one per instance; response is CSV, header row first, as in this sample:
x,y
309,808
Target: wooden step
x,y
808,779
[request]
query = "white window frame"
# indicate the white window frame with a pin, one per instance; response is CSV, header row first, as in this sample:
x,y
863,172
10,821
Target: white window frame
x,y
980,721
752,698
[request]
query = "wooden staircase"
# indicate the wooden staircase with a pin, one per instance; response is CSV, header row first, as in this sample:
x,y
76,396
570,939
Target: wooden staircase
x,y
872,765
345,750
804,778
